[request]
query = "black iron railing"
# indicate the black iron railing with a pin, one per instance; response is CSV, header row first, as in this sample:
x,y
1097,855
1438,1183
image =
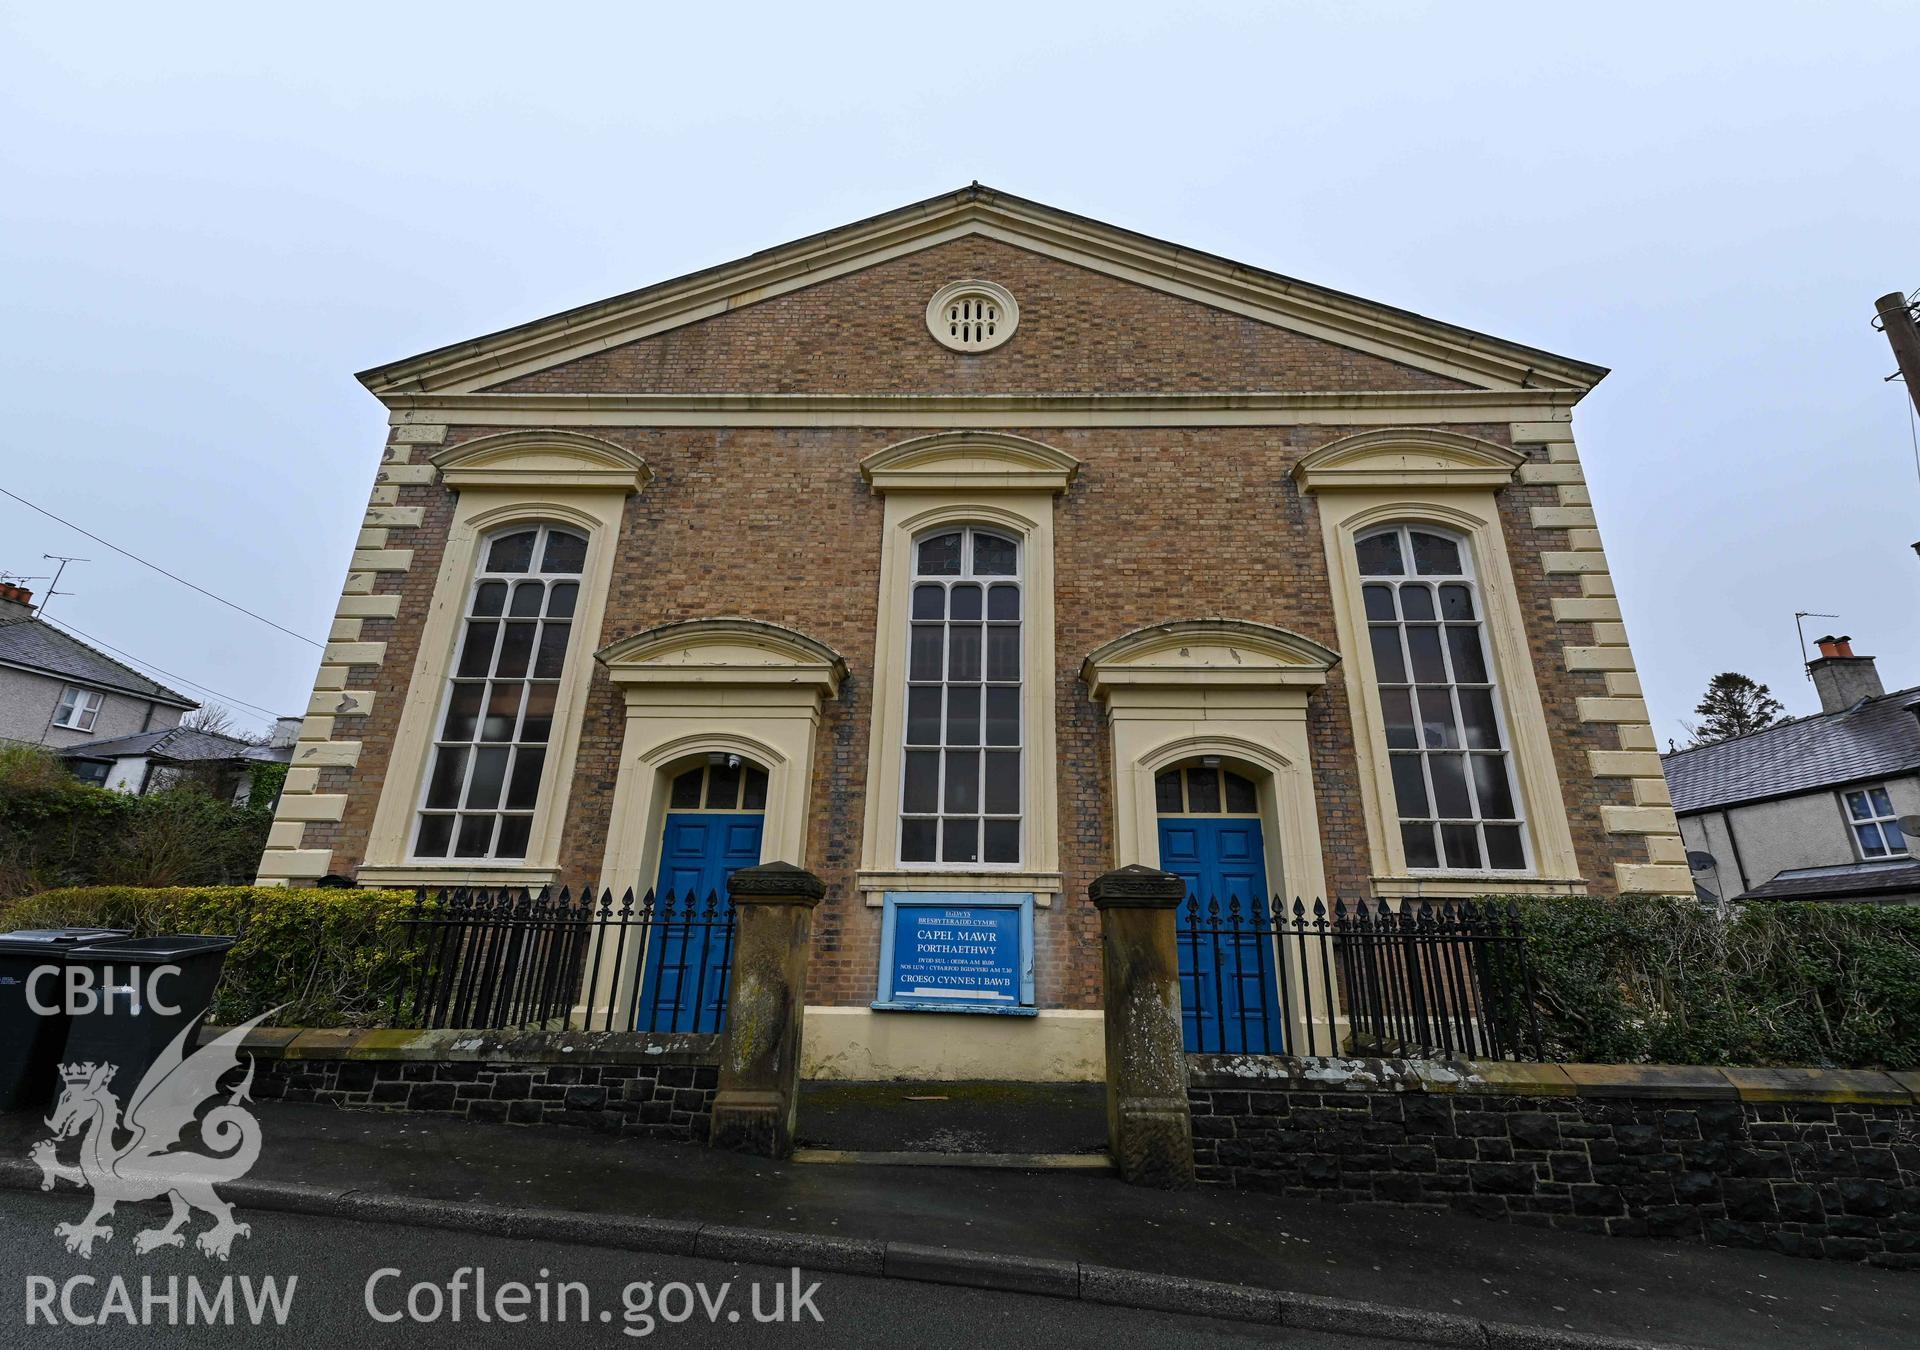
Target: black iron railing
x,y
1418,980
552,960
1448,979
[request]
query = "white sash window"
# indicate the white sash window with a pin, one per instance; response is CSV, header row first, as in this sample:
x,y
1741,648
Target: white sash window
x,y
495,724
961,779
1453,779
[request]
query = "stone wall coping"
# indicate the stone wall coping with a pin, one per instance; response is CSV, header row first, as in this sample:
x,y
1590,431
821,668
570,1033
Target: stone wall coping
x,y
270,1041
1864,1087
1651,1080
1515,1078
1508,1078
491,1047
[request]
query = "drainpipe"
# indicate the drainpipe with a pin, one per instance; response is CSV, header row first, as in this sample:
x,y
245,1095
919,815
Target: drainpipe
x,y
1726,819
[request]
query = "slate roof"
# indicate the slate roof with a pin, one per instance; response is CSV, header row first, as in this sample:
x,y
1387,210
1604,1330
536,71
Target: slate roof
x,y
174,743
1877,738
1847,881
37,645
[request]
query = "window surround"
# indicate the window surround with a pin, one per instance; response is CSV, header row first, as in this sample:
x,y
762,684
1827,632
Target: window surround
x,y
1853,822
1002,483
85,709
1447,480
989,294
563,478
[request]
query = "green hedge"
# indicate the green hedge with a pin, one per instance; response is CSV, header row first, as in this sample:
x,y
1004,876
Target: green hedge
x,y
56,832
333,957
1643,979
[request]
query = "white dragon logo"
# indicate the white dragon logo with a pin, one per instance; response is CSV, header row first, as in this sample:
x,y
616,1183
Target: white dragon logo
x,y
141,1168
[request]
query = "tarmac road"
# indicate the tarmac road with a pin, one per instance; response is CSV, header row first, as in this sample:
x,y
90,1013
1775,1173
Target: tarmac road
x,y
333,1260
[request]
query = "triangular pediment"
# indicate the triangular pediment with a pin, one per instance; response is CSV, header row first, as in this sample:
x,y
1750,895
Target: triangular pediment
x,y
1405,346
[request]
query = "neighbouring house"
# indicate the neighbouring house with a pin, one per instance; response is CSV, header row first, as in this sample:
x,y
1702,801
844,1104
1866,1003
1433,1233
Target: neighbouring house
x,y
1810,809
959,555
153,761
57,691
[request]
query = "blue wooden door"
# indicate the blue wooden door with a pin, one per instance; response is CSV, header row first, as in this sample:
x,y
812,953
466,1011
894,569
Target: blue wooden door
x,y
684,987
1229,993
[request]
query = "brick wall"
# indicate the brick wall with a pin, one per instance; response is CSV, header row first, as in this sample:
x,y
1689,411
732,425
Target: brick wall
x,y
1160,525
1689,1153
776,524
1080,331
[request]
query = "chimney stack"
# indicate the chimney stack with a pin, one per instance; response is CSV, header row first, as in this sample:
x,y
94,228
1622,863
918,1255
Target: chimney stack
x,y
16,602
1842,678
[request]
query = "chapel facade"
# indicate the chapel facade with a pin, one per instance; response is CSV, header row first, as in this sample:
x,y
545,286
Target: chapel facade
x,y
962,554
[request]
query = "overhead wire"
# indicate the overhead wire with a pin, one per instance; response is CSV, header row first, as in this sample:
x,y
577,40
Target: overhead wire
x,y
1913,432
148,665
172,576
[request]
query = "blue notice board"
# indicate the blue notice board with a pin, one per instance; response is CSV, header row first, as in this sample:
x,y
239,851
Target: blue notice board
x,y
958,951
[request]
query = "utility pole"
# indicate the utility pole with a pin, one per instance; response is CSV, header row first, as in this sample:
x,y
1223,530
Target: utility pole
x,y
1894,317
1896,321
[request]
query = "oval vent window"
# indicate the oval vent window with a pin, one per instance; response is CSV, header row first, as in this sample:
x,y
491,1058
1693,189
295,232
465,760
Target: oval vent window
x,y
972,316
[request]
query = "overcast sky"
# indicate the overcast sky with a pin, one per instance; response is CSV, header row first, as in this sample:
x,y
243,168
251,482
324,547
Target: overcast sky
x,y
210,218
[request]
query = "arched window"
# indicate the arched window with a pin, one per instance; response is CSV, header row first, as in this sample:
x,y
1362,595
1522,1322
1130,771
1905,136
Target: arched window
x,y
491,741
1204,790
960,786
725,783
1439,702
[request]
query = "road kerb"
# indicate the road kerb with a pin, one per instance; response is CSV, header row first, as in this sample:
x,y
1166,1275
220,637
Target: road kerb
x,y
1004,1272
